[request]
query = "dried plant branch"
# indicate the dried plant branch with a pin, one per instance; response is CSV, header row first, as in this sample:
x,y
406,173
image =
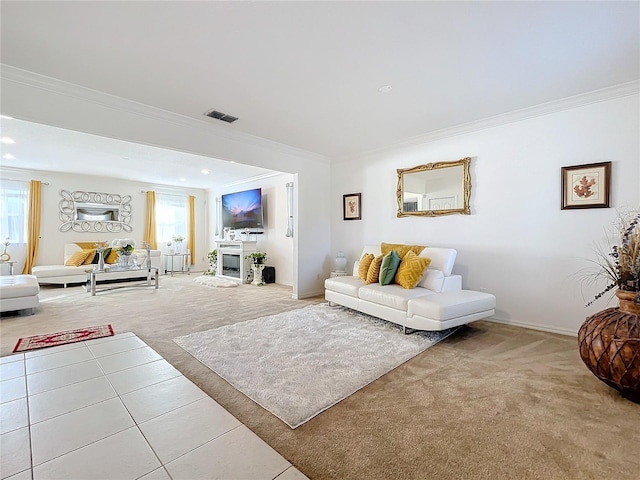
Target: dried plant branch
x,y
619,263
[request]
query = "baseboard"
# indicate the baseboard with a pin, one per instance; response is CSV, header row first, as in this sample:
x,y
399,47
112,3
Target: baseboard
x,y
542,328
301,296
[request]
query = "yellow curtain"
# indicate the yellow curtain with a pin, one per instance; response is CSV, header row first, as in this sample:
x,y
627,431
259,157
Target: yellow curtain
x,y
33,225
191,243
150,224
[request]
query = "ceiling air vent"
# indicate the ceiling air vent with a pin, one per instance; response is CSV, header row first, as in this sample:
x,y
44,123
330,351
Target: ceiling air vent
x,y
220,116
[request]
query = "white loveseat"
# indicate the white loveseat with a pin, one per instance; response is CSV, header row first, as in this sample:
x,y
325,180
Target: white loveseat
x,y
438,301
64,274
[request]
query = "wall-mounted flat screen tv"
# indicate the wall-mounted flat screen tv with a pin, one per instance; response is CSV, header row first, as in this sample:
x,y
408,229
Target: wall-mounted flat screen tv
x,y
242,210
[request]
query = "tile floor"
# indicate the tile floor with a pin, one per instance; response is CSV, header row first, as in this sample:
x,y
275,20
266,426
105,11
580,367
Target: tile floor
x,y
113,408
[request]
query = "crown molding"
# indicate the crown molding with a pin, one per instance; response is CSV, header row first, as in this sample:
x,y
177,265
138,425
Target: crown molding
x,y
60,87
601,95
254,179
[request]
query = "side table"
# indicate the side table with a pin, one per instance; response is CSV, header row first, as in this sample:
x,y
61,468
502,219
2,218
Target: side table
x,y
339,274
185,261
11,263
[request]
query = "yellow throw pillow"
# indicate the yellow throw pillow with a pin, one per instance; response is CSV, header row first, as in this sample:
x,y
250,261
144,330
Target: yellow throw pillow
x,y
373,274
89,259
417,249
112,257
411,269
387,247
77,258
86,245
363,266
400,248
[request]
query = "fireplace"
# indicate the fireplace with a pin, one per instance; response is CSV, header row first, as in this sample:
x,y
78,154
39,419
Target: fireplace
x,y
231,264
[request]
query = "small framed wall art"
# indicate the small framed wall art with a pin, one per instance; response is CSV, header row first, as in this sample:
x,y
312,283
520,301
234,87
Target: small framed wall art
x,y
586,186
351,206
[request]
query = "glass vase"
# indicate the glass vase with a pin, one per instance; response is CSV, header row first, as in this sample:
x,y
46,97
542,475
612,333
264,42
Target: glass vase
x,y
100,261
124,260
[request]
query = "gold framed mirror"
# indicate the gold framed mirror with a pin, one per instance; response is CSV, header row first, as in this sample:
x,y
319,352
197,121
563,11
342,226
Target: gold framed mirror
x,y
440,188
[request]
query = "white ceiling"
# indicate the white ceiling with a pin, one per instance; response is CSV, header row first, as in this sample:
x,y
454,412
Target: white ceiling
x,y
47,148
306,74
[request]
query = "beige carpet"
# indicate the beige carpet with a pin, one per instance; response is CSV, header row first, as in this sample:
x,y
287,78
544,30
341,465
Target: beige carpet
x,y
489,402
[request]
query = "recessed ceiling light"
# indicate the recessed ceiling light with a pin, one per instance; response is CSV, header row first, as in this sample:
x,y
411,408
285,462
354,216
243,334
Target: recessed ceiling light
x,y
6,117
8,156
205,172
7,140
182,179
385,88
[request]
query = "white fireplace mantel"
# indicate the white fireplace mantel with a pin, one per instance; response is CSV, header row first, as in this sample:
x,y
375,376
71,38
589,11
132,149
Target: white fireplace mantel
x,y
232,264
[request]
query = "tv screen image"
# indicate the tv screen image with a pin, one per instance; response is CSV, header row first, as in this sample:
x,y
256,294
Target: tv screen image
x,y
242,210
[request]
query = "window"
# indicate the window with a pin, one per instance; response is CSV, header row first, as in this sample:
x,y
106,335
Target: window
x,y
172,217
14,196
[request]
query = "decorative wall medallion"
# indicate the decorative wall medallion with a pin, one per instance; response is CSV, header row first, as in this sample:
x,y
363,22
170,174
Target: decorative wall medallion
x,y
94,212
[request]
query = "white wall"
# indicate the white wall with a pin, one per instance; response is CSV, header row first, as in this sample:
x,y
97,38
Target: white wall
x,y
278,246
517,243
52,240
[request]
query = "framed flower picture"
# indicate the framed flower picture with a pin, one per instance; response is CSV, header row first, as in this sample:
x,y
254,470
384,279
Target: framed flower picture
x,y
586,186
351,206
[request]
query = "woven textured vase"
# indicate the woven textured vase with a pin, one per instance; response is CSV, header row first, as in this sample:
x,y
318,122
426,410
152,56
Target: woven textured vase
x,y
609,344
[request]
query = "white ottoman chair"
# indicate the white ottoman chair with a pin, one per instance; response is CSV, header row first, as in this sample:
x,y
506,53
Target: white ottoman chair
x,y
18,292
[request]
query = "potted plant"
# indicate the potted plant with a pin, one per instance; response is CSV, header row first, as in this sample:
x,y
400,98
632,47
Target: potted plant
x,y
213,262
257,260
619,263
124,246
609,341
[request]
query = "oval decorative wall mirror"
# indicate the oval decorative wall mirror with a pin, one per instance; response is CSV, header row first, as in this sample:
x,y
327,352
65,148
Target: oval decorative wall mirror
x,y
441,188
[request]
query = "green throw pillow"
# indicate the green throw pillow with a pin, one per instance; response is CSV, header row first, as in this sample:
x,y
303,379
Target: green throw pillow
x,y
389,266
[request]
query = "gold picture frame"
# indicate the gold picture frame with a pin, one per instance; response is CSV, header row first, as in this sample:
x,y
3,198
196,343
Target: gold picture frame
x,y
452,196
586,186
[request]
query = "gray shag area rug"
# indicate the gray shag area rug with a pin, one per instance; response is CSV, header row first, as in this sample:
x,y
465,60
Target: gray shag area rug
x,y
299,363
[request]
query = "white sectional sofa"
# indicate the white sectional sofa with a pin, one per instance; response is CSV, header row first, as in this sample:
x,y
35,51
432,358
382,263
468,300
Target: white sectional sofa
x,y
19,292
438,301
63,274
